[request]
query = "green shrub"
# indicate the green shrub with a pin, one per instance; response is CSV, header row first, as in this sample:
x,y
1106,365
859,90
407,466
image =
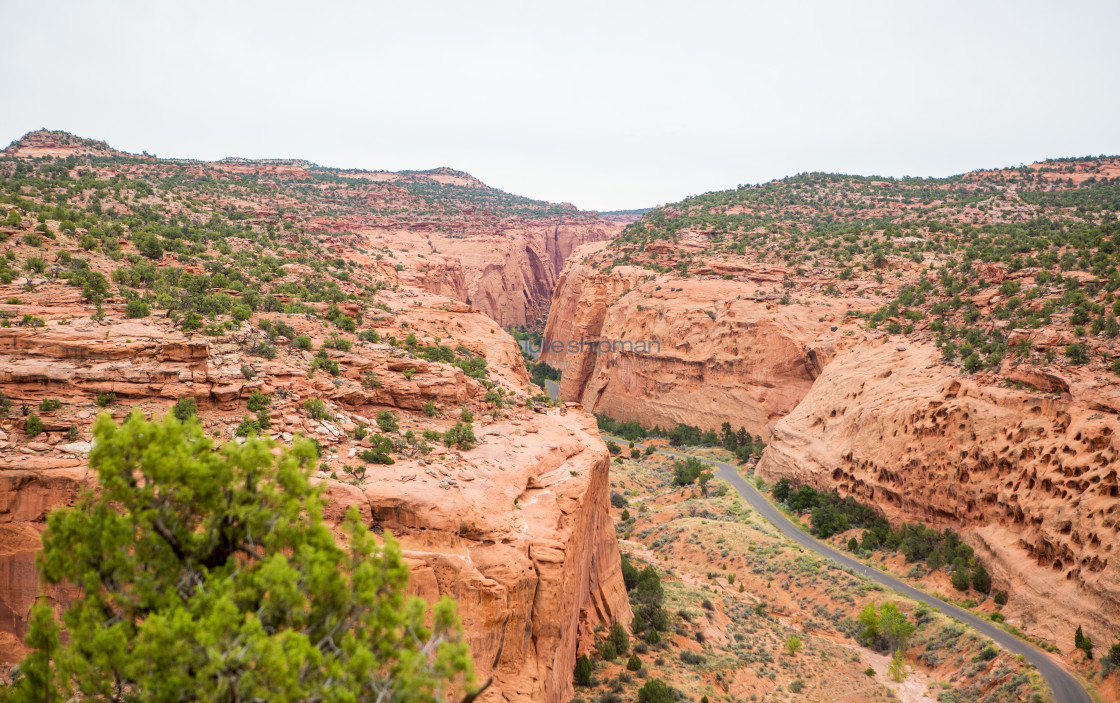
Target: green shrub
x,y
633,663
336,342
316,408
981,580
241,313
302,342
185,409
582,673
259,402
1083,642
49,404
960,578
793,645
248,426
655,691
33,426
137,308
460,435
607,651
620,638
387,421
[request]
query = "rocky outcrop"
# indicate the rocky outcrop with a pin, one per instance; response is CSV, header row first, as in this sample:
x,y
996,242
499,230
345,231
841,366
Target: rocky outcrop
x,y
520,533
1027,474
694,350
46,144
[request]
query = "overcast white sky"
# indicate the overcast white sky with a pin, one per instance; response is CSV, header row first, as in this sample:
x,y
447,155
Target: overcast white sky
x,y
608,105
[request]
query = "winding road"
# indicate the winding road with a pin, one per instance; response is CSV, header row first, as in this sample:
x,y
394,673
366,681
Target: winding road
x,y
1063,685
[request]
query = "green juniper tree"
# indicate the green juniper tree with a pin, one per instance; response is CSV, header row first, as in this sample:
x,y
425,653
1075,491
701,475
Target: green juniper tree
x,y
208,574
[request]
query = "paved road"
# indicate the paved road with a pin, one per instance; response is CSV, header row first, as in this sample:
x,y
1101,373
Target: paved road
x,y
1064,687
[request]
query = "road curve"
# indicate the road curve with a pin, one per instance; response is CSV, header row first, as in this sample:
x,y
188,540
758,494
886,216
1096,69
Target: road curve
x,y
1063,685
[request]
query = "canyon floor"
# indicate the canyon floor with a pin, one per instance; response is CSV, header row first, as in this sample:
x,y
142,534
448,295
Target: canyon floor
x,y
737,591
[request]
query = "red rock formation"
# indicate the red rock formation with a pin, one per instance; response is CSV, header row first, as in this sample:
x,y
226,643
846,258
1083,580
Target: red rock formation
x,y
508,272
717,355
1027,476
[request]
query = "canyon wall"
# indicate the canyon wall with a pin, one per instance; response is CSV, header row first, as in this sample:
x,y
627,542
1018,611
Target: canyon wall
x,y
713,353
511,275
1027,473
508,271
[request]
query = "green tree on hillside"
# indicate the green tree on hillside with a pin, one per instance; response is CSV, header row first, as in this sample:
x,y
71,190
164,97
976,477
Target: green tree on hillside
x,y
208,573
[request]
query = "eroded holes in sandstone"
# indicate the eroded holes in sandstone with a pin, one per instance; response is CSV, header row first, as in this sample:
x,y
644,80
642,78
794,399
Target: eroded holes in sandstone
x,y
1048,486
1035,410
833,413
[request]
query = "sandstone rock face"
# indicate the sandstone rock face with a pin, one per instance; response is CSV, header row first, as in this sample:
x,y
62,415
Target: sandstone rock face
x,y
714,354
1028,476
520,533
508,271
